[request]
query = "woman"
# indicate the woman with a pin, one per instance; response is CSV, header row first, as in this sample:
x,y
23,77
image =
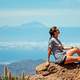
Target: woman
x,y
62,55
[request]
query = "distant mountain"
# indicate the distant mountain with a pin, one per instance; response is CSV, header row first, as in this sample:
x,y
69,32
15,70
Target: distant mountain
x,y
29,31
26,66
36,31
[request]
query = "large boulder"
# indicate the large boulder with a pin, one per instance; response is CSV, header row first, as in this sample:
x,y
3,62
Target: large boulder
x,y
59,72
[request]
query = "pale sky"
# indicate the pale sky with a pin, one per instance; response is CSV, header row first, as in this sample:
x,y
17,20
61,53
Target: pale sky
x,y
63,13
48,12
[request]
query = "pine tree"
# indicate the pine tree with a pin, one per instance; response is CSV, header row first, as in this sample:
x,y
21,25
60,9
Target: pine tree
x,y
5,75
23,76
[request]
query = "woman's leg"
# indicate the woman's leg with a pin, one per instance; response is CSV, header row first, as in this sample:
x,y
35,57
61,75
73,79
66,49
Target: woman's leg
x,y
78,51
70,57
73,51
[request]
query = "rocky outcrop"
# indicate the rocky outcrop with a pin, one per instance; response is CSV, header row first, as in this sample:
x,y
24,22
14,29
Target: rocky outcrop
x,y
58,72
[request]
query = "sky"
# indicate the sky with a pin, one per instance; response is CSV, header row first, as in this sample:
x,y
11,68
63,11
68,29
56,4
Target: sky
x,y
48,12
63,13
13,13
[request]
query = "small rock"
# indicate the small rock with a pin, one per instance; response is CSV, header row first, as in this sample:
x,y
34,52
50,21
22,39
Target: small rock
x,y
40,68
45,73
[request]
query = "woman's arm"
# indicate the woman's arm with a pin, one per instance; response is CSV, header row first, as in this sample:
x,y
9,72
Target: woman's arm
x,y
64,48
67,48
49,53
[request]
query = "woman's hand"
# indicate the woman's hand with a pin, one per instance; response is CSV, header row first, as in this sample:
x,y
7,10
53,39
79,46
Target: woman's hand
x,y
72,47
47,64
69,48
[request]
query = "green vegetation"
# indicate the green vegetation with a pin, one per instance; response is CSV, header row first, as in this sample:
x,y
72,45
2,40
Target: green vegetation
x,y
7,75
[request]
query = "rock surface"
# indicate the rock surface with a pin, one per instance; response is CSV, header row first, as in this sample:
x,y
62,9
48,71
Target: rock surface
x,y
57,72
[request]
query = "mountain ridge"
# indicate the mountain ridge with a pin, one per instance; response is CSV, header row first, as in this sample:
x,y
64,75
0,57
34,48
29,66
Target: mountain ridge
x,y
27,31
26,66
